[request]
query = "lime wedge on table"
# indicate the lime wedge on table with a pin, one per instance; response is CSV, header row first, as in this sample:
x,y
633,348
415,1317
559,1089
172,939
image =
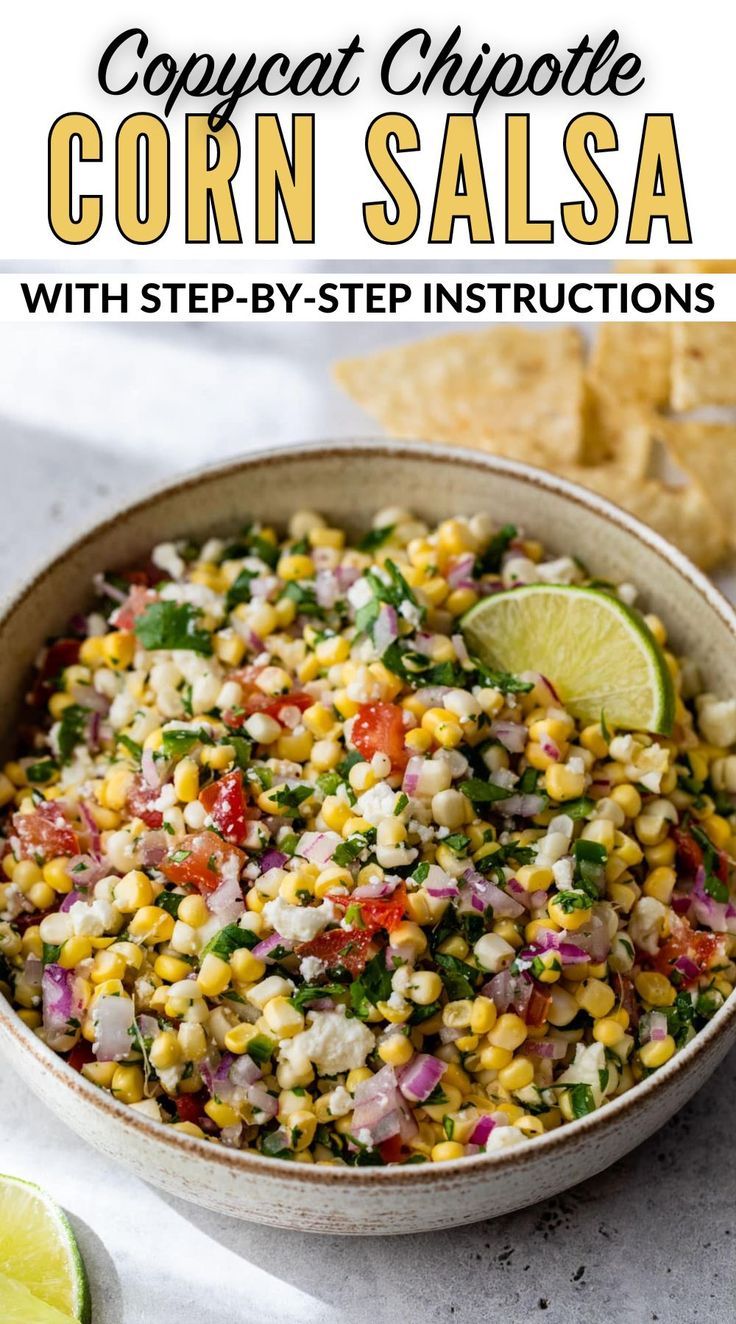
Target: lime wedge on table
x,y
597,652
38,1256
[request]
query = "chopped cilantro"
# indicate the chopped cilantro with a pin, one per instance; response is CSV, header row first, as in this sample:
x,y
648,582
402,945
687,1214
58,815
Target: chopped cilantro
x,y
291,798
229,940
328,782
499,680
134,749
260,1048
400,805
480,792
172,625
349,850
311,992
577,809
50,953
176,742
458,978
170,901
582,1101
375,538
457,842
71,728
489,561
371,987
239,590
42,772
421,873
243,750
437,1096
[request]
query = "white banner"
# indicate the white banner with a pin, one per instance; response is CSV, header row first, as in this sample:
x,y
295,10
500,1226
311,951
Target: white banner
x,y
379,297
574,130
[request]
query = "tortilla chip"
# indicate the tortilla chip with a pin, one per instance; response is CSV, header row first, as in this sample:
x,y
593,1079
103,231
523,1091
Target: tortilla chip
x,y
714,265
703,364
478,388
707,453
683,515
616,432
632,359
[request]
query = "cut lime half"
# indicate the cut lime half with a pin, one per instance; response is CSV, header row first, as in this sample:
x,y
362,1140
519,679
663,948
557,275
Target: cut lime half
x,y
38,1254
599,655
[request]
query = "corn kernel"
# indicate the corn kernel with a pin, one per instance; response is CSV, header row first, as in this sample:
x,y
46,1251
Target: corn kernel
x,y
657,1051
655,989
214,975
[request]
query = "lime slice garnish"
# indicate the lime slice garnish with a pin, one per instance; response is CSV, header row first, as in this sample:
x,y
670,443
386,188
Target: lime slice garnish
x,y
19,1306
599,655
38,1253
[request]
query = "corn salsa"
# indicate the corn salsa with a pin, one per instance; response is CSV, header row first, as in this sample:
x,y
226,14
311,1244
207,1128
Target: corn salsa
x,y
284,866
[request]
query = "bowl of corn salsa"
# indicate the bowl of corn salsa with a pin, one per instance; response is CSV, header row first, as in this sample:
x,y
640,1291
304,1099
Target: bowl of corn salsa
x,y
309,914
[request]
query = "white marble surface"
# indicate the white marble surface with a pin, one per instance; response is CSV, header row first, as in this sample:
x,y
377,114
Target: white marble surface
x,y
88,416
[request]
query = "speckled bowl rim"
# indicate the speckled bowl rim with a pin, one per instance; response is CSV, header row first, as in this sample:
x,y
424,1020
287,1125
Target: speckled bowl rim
x,y
419,1175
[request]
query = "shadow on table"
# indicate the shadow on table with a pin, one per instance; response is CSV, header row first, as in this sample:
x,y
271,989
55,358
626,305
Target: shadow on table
x,y
612,1247
104,1284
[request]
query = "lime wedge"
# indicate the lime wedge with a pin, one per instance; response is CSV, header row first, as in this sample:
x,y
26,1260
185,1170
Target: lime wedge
x,y
597,652
19,1306
38,1252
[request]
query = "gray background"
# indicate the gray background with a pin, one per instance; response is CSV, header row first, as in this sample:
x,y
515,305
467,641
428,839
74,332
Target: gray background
x,y
89,416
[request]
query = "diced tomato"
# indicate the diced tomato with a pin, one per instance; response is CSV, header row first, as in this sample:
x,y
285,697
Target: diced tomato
x,y
377,912
348,947
379,729
45,833
391,1150
126,615
80,1055
224,801
202,859
190,1106
61,654
255,701
141,799
692,946
688,853
537,1008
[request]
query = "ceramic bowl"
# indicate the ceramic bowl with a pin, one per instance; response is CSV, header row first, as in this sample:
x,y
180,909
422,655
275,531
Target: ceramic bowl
x,y
349,482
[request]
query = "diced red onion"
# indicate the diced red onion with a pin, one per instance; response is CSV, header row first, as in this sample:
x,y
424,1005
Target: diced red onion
x,y
423,643
87,697
154,845
90,822
318,847
149,769
420,1076
461,650
525,806
433,696
347,575
273,859
554,1049
550,748
412,774
569,953
509,990
481,1130
226,901
85,871
379,887
380,1109
260,1099
33,973
263,586
688,968
710,913
148,1026
459,573
69,900
386,628
105,589
657,1026
477,889
326,588
593,938
448,1034
262,950
112,1018
512,735
244,1071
